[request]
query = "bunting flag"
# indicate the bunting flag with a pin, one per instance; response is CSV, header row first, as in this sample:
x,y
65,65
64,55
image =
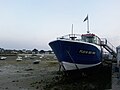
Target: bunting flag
x,y
86,18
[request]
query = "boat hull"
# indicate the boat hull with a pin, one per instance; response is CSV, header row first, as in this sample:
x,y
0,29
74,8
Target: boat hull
x,y
76,55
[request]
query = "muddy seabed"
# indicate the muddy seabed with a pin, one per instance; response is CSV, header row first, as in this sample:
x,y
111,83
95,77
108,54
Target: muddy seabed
x,y
24,75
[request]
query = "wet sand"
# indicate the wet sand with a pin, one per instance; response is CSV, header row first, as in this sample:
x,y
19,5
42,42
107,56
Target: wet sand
x,y
24,75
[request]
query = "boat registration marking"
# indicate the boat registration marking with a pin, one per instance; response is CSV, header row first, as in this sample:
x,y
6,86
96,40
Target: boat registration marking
x,y
87,52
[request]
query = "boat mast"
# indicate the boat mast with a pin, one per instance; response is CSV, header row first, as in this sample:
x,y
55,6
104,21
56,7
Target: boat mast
x,y
86,19
72,29
88,26
72,36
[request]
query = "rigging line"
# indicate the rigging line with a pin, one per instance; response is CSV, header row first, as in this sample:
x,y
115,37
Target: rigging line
x,y
72,59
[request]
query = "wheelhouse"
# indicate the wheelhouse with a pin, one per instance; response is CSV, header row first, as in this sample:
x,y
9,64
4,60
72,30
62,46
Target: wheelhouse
x,y
90,38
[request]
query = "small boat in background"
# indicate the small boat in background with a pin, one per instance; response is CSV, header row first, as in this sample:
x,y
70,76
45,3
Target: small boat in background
x,y
36,61
41,56
3,58
19,58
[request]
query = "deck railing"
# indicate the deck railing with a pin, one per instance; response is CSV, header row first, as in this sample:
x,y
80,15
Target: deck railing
x,y
105,42
76,37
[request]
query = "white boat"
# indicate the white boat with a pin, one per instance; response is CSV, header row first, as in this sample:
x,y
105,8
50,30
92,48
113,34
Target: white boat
x,y
19,58
3,58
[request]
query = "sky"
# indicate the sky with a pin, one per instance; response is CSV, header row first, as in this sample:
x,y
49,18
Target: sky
x,y
29,24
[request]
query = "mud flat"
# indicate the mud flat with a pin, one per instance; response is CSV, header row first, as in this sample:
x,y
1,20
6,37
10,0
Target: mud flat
x,y
25,75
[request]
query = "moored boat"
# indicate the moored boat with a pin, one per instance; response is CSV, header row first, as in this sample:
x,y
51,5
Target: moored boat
x,y
3,58
19,58
75,51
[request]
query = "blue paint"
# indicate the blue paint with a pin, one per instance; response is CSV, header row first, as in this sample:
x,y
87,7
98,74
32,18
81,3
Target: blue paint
x,y
70,52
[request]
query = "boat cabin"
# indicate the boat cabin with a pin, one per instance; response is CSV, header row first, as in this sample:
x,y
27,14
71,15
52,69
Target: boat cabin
x,y
90,38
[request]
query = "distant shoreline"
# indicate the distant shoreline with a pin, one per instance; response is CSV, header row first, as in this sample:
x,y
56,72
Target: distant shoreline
x,y
8,54
23,54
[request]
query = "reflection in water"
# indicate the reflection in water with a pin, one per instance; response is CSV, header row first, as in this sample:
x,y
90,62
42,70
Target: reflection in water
x,y
95,78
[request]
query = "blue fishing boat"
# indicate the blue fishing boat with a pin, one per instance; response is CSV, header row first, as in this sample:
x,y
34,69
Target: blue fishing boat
x,y
75,51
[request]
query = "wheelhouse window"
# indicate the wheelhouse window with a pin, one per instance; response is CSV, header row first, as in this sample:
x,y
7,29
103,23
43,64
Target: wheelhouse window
x,y
91,38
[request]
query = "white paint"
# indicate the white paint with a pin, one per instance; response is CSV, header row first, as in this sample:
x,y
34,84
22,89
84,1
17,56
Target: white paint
x,y
72,66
